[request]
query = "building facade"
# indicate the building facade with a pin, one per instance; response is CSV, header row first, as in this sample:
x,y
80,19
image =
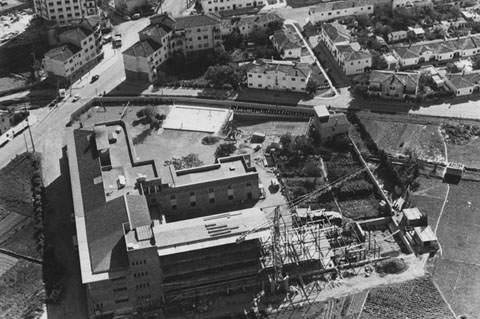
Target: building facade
x,y
63,12
166,36
78,50
4,121
463,83
338,9
288,43
279,75
210,6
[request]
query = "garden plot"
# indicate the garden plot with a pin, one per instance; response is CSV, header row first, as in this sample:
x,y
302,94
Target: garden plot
x,y
401,138
413,299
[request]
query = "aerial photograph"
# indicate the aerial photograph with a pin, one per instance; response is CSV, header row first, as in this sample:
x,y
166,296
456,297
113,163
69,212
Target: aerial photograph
x,y
240,159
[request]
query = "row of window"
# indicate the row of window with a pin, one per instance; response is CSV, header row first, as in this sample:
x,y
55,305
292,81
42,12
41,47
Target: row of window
x,y
338,12
212,200
59,3
144,297
260,85
140,274
205,37
269,77
120,289
156,189
139,262
118,278
143,285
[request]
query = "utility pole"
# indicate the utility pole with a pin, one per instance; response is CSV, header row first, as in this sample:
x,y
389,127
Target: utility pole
x,y
25,139
30,131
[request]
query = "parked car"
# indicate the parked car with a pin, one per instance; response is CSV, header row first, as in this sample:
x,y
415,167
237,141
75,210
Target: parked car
x,y
136,16
126,18
76,98
94,78
107,38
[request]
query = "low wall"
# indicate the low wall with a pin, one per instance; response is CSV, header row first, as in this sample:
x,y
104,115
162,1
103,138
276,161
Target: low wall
x,y
374,224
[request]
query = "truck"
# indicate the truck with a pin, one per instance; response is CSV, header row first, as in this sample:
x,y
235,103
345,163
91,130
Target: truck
x,y
61,93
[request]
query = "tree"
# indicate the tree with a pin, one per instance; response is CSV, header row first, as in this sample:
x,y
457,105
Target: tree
x,y
149,115
452,68
312,86
379,62
189,161
218,56
219,75
273,26
225,149
258,35
234,40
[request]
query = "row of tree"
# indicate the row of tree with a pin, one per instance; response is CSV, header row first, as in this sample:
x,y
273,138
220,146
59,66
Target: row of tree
x,y
38,206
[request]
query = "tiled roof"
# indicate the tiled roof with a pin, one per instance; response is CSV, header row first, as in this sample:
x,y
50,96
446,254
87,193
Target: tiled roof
x,y
287,39
153,31
259,19
466,80
290,69
62,53
143,48
336,32
438,46
338,5
163,20
194,21
76,34
388,77
336,119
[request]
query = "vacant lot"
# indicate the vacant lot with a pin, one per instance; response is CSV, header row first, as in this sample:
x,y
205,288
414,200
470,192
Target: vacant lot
x,y
458,272
429,197
413,299
15,185
400,138
466,154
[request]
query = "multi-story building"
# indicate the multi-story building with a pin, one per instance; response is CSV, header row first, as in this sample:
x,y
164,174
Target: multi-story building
x,y
222,5
393,85
79,49
278,75
287,42
4,121
166,36
338,9
131,254
246,24
63,12
348,54
437,50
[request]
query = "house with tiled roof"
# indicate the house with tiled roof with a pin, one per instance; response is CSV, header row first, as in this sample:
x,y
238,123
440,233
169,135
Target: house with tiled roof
x,y
287,42
336,9
463,83
393,85
78,49
329,124
278,75
211,6
349,55
245,24
436,50
165,36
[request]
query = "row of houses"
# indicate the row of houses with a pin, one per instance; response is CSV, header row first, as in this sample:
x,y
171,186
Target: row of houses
x,y
437,50
77,49
349,55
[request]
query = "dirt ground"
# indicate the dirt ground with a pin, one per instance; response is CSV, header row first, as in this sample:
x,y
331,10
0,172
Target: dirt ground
x,y
398,138
465,154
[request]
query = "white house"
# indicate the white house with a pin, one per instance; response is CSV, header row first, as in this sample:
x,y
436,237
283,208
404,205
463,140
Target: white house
x,y
397,36
337,9
278,75
79,49
287,42
463,84
210,6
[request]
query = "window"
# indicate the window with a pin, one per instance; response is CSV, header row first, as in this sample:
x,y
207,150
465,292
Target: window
x,y
249,195
259,76
121,300
192,193
250,75
259,85
392,87
193,204
293,79
211,190
199,38
205,37
198,30
249,183
230,197
118,278
302,80
229,186
120,289
173,196
174,207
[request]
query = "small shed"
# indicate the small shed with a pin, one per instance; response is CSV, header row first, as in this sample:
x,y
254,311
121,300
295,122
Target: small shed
x,y
257,138
112,137
321,113
424,237
412,217
455,169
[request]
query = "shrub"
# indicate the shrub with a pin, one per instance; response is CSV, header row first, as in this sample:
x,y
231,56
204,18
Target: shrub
x,y
189,161
391,266
210,140
225,149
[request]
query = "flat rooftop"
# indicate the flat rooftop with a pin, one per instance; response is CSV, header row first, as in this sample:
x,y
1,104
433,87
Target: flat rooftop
x,y
199,233
197,119
412,213
226,167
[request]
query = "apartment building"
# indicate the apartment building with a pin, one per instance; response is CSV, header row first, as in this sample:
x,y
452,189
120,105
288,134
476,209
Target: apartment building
x,y
63,12
166,36
135,249
78,49
437,50
210,6
338,9
278,75
349,55
393,85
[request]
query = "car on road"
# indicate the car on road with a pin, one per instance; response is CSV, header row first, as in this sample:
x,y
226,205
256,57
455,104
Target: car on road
x,y
126,18
136,16
94,78
76,98
107,38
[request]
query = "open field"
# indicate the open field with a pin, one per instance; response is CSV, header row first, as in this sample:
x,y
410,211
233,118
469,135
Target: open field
x,y
413,299
457,272
399,138
466,154
429,197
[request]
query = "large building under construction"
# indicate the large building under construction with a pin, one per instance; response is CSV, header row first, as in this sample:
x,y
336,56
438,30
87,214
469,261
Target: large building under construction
x,y
150,234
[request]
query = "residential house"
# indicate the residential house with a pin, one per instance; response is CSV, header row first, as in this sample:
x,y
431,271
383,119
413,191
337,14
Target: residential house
x,y
210,6
351,58
166,36
463,83
337,9
63,12
287,42
4,121
329,124
396,36
278,75
78,50
394,85
246,24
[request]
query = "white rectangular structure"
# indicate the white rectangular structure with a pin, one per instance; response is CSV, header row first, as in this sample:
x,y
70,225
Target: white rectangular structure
x,y
197,119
